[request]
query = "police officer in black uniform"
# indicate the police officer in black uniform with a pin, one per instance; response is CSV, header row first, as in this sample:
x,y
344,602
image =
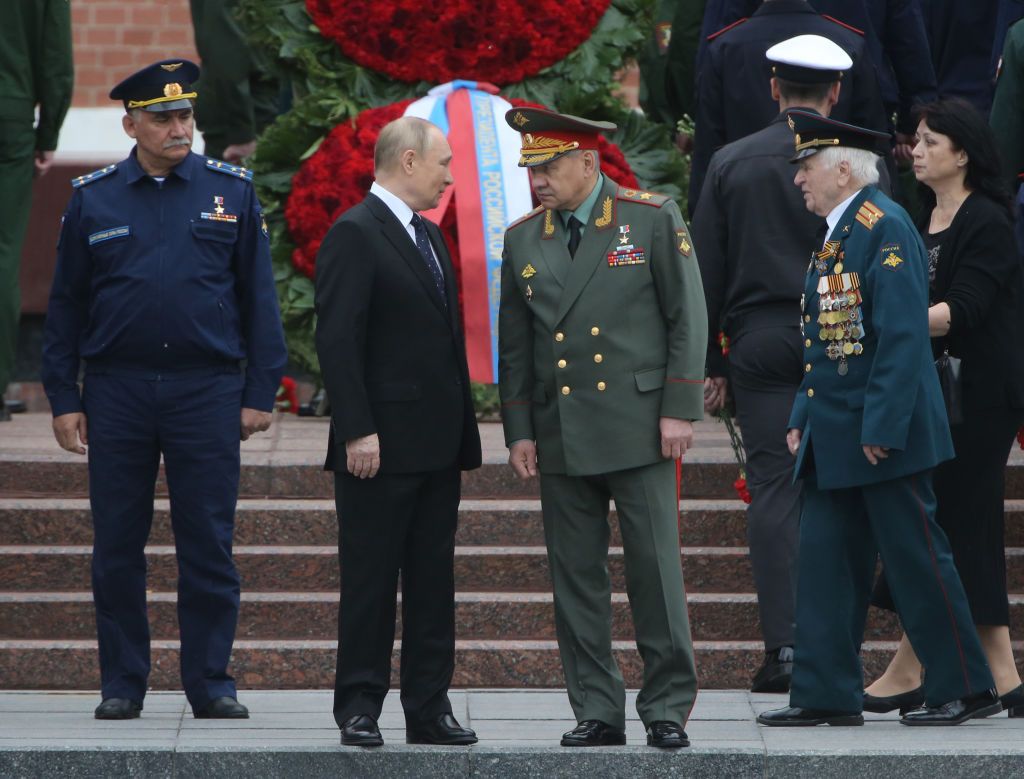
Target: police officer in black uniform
x,y
753,274
896,42
733,99
164,288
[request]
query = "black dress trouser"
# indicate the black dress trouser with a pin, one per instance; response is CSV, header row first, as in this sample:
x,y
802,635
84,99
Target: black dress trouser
x,y
391,525
765,372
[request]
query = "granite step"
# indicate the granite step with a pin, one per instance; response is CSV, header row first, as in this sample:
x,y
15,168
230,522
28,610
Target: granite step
x,y
43,475
310,664
705,475
276,568
478,616
312,522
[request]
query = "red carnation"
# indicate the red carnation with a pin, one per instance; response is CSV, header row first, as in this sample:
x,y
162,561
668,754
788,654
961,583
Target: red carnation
x,y
740,485
286,399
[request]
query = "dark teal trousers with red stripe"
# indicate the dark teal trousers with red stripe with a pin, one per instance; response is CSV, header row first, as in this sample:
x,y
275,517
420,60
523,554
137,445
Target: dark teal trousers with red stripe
x,y
842,532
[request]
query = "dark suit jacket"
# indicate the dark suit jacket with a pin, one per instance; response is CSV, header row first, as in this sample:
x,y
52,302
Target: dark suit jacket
x,y
979,275
392,358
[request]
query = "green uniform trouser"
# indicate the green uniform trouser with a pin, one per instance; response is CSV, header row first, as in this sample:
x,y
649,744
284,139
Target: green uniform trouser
x,y
15,200
576,531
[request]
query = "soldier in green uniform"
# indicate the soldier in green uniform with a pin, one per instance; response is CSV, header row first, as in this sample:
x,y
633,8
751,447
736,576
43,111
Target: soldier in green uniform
x,y
36,71
1007,118
602,331
867,428
238,97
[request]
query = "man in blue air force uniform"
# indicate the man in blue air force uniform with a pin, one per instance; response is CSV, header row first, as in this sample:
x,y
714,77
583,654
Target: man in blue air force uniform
x,y
163,287
867,427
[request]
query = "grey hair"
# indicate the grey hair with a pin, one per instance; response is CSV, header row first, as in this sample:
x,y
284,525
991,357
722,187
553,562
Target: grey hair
x,y
397,137
863,163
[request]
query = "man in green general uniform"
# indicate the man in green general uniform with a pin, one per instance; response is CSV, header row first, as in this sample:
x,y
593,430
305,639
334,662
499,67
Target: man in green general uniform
x,y
602,334
36,71
238,97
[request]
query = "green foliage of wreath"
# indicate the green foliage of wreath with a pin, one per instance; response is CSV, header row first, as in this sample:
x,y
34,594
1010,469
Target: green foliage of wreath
x,y
329,88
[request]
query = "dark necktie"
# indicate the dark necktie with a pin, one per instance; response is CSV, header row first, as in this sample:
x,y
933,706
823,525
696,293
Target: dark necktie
x,y
819,237
423,244
575,225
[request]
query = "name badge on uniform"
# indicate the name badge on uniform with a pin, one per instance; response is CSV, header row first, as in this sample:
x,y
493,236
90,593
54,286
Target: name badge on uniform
x,y
106,235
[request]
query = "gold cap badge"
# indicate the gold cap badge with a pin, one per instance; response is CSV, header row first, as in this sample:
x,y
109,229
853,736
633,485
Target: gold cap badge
x,y
171,67
172,90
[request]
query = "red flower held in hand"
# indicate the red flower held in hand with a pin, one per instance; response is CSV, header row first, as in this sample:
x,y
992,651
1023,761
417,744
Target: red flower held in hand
x,y
338,176
500,41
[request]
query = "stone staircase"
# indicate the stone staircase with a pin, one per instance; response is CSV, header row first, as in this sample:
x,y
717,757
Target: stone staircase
x,y
285,550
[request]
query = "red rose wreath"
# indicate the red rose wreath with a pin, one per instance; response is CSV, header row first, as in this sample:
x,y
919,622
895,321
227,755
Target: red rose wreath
x,y
338,175
500,41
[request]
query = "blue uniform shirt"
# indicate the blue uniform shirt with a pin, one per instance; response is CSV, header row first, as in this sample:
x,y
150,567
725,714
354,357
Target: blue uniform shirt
x,y
161,278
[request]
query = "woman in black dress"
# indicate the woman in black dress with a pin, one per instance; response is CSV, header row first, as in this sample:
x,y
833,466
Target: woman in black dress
x,y
977,313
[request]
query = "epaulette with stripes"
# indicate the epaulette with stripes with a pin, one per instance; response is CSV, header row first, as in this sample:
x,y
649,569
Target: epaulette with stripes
x,y
96,175
228,169
526,217
869,214
727,28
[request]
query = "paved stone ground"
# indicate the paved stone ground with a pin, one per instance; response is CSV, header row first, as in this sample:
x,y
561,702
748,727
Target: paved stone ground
x,y
293,734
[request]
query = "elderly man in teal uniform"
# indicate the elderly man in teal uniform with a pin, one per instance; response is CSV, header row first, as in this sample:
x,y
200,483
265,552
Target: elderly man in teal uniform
x,y
867,427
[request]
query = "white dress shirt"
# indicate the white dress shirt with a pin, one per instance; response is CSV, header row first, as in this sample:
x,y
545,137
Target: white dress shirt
x,y
404,215
833,216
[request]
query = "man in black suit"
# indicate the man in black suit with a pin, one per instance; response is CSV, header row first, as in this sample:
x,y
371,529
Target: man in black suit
x,y
394,366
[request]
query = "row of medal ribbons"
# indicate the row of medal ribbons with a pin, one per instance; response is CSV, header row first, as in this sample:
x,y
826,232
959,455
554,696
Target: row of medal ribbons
x,y
840,317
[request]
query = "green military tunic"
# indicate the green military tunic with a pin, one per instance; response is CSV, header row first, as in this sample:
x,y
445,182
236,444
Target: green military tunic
x,y
238,97
36,70
593,351
1007,117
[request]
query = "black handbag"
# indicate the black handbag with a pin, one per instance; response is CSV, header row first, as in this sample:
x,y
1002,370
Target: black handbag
x,y
950,379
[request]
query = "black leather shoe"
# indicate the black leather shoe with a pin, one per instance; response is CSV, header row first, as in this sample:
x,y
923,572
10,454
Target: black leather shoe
x,y
666,735
444,729
361,731
224,707
905,701
984,704
593,733
793,716
118,708
1013,701
776,671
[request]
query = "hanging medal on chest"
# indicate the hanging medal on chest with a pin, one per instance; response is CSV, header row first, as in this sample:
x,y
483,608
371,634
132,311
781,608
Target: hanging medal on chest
x,y
840,317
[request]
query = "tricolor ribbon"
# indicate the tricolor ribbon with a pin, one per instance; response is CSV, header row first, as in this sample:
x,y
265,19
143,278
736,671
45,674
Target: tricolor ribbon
x,y
491,191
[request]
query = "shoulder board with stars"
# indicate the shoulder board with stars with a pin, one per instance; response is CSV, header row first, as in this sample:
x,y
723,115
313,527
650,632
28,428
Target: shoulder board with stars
x,y
96,175
640,196
228,169
526,217
869,214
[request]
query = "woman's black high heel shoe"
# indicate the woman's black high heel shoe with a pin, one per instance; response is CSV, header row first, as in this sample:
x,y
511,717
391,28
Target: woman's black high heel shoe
x,y
1013,702
905,701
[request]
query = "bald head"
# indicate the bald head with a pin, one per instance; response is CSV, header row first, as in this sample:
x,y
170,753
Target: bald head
x,y
408,133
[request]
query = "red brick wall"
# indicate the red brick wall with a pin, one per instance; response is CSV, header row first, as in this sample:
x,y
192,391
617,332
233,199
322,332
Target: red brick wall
x,y
114,38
